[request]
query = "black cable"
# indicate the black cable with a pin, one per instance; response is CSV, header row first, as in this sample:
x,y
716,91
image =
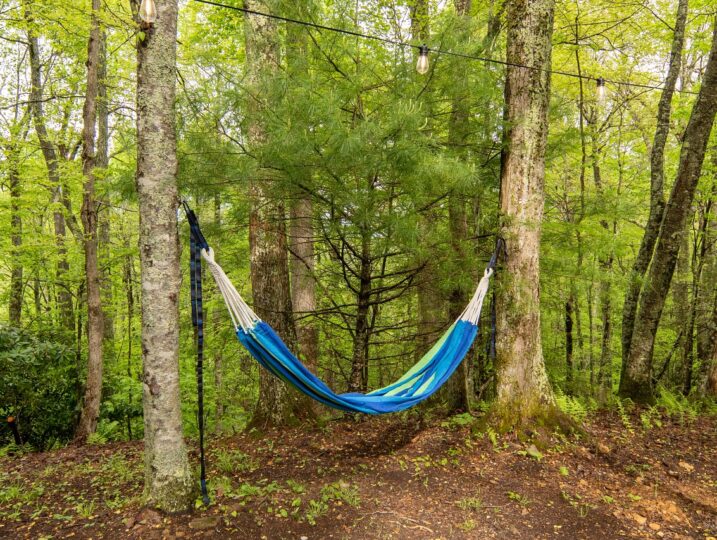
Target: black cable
x,y
429,49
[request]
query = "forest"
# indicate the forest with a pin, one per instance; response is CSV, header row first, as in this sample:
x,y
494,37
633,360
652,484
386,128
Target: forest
x,y
238,232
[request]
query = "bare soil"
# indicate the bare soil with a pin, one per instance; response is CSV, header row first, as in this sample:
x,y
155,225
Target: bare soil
x,y
389,478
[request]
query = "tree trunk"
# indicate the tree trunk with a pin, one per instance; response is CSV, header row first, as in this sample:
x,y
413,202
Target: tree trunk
x,y
168,478
569,364
95,322
128,279
301,234
455,394
277,403
707,300
303,287
16,275
359,360
101,163
636,379
523,389
49,153
657,180
604,378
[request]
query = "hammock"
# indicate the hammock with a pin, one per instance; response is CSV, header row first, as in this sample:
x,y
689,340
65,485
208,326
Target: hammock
x,y
417,384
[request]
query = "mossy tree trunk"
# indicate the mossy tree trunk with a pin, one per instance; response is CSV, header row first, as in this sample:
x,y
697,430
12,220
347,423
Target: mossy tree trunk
x,y
636,377
168,479
523,389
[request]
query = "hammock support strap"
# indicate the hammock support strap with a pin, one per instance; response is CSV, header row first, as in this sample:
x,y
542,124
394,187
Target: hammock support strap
x,y
196,244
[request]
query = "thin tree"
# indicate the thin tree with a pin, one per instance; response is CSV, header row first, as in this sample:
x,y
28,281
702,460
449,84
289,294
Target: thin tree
x,y
168,479
636,378
95,319
523,389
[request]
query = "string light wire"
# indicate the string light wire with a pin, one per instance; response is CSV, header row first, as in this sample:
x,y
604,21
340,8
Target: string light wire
x,y
442,52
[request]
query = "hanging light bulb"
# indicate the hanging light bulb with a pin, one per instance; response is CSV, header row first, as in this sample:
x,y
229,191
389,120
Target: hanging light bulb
x,y
422,63
601,90
148,11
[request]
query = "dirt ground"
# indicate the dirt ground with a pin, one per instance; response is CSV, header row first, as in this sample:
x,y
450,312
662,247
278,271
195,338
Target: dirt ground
x,y
389,478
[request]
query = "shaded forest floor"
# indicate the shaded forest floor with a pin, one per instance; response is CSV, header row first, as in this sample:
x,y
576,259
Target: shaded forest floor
x,y
388,478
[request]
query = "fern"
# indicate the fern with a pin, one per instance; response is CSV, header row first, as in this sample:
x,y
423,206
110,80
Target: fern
x,y
624,416
676,405
574,407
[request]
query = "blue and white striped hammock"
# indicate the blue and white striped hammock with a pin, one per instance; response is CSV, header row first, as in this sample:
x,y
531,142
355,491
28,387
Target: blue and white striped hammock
x,y
417,384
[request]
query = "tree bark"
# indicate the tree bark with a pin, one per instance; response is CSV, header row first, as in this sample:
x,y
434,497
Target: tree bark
x,y
657,180
707,300
523,389
277,404
636,379
95,323
168,478
303,286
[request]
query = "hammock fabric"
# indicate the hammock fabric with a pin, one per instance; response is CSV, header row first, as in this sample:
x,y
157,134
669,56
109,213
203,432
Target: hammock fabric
x,y
417,384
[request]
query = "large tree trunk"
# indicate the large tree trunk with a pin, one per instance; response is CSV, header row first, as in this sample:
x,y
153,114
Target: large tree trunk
x,y
50,155
168,478
277,404
636,379
657,180
95,322
523,389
